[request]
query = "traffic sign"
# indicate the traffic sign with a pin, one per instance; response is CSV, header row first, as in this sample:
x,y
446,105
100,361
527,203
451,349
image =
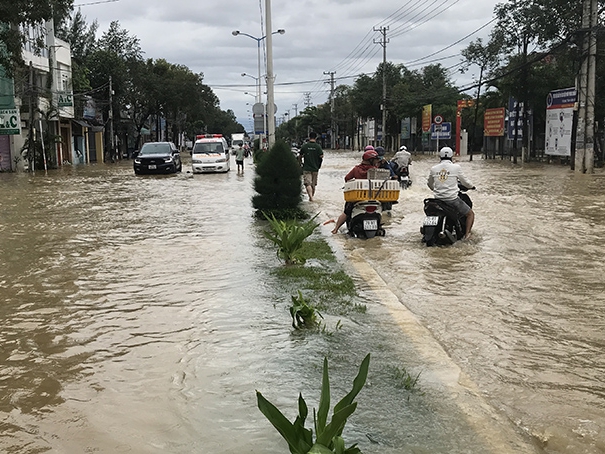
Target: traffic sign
x,y
438,119
442,131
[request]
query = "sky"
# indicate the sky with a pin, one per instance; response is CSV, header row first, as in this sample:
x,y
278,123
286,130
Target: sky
x,y
323,38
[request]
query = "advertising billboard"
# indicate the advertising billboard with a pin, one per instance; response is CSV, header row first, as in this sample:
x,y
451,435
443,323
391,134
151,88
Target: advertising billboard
x,y
559,121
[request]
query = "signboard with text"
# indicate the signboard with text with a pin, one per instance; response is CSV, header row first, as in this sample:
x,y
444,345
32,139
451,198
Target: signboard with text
x,y
493,122
559,121
441,131
515,107
10,122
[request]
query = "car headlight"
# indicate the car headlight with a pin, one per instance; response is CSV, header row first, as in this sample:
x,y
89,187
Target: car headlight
x,y
137,161
221,160
196,161
168,159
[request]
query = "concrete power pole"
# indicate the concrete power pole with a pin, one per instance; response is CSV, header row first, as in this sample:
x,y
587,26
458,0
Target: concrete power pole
x,y
307,99
111,144
584,159
332,122
270,79
383,42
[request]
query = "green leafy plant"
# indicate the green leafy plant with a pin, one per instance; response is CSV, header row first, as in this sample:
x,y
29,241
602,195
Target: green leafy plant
x,y
304,315
328,435
289,235
405,379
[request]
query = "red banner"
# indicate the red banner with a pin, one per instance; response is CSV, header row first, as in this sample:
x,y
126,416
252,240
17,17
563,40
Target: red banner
x,y
427,117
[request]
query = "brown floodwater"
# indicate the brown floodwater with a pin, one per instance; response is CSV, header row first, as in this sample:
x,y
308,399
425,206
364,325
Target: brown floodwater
x,y
140,314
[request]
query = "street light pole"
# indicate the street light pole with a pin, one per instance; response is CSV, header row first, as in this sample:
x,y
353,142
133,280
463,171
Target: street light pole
x,y
268,35
257,83
270,94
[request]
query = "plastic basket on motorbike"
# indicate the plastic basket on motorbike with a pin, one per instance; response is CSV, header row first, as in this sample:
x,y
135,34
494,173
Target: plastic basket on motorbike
x,y
380,190
379,174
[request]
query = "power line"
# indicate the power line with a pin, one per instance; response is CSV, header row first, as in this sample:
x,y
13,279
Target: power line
x,y
96,3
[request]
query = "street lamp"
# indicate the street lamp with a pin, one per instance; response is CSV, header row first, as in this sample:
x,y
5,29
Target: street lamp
x,y
281,31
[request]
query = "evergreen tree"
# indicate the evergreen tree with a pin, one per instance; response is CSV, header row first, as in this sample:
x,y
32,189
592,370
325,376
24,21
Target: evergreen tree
x,y
278,183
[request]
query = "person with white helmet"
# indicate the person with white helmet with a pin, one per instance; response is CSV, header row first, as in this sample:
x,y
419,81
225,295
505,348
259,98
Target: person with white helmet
x,y
403,157
443,181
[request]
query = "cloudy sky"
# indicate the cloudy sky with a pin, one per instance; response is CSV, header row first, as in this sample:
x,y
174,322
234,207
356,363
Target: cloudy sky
x,y
321,37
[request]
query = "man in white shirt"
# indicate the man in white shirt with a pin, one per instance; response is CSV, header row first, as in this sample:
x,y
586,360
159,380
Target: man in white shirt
x,y
403,157
443,181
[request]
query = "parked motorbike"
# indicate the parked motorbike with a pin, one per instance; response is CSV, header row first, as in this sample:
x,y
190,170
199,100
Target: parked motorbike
x,y
442,226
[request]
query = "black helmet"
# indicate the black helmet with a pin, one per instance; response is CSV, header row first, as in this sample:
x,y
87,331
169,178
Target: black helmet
x,y
380,151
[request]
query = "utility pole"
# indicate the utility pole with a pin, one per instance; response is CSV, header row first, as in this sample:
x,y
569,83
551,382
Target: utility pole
x,y
584,158
383,42
31,149
307,97
295,109
332,123
270,80
111,145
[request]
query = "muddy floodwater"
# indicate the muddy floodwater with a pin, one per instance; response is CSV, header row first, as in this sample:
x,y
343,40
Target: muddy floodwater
x,y
140,314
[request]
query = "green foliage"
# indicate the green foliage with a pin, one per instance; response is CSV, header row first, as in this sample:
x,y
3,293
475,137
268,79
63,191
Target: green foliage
x,y
328,434
304,315
405,379
333,290
284,213
16,14
289,235
319,249
277,182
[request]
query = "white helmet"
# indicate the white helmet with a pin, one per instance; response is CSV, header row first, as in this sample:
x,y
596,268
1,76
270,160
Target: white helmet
x,y
446,153
403,148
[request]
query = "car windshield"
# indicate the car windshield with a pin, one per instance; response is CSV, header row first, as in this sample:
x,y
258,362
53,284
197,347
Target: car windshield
x,y
155,148
208,147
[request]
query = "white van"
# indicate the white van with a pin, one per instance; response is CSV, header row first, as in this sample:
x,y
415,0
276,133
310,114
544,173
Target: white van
x,y
210,154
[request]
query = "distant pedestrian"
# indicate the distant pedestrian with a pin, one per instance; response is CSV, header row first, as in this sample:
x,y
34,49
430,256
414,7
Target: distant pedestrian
x,y
239,158
312,157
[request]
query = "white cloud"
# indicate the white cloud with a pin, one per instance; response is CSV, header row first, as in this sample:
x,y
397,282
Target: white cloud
x,y
321,36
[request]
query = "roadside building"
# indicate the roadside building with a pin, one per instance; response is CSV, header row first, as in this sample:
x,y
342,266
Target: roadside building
x,y
41,105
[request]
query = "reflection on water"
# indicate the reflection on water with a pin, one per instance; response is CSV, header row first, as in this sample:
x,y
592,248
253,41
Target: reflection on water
x,y
139,314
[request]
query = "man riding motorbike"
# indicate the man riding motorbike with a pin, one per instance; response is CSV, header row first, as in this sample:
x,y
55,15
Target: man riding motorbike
x,y
443,181
384,164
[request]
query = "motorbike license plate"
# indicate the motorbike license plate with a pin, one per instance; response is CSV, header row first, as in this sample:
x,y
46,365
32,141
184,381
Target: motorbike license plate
x,y
431,220
152,166
370,224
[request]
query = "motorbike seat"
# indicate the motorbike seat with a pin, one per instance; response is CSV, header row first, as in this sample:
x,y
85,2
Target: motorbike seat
x,y
436,205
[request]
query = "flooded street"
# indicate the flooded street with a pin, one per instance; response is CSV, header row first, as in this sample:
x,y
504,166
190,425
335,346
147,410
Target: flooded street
x,y
140,314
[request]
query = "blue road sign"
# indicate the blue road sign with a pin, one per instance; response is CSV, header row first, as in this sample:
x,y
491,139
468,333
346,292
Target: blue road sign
x,y
443,131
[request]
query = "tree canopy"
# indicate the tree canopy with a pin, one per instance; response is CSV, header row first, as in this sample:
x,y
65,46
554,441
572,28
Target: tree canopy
x,y
15,16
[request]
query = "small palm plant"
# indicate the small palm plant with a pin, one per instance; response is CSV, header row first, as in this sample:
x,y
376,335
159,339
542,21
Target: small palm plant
x,y
328,435
289,235
304,315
